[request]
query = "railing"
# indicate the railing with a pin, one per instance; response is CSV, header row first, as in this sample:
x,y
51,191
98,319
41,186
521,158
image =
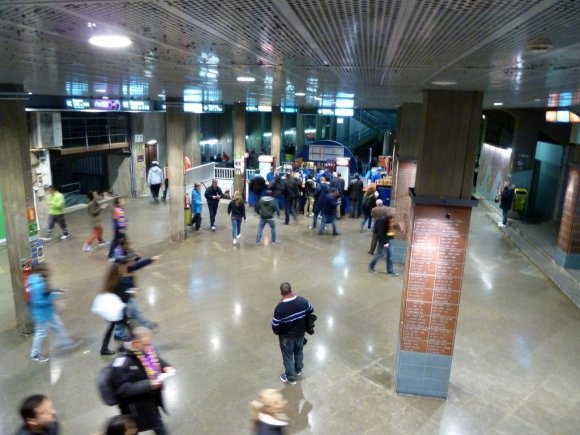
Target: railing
x,y
224,173
199,174
71,193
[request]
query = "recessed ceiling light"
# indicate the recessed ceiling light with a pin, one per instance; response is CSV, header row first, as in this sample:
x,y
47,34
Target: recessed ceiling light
x,y
246,79
110,41
537,100
318,98
161,95
101,91
444,82
299,94
30,93
498,104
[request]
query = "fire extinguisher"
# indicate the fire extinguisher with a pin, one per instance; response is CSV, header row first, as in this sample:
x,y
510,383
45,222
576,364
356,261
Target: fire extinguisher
x,y
186,202
26,268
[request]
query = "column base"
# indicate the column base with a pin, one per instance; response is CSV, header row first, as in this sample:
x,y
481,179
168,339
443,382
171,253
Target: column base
x,y
422,374
566,260
399,251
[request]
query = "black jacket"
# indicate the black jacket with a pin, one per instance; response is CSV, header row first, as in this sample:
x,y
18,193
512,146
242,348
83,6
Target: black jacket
x,y
257,185
355,189
290,188
133,388
51,430
210,192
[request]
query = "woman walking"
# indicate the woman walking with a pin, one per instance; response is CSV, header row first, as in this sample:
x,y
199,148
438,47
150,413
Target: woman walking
x,y
369,202
237,211
94,209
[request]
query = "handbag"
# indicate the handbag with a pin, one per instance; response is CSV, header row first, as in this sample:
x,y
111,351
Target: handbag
x,y
108,306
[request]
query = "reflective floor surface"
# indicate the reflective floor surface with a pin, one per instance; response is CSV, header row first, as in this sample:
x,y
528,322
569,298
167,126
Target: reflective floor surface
x,y
516,367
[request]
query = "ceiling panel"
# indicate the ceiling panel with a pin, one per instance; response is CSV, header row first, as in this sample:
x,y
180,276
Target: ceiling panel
x,y
384,51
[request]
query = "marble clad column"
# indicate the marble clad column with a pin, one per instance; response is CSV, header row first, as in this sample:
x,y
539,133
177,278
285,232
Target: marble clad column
x,y
192,138
299,133
567,252
409,119
440,217
276,135
17,195
240,145
175,140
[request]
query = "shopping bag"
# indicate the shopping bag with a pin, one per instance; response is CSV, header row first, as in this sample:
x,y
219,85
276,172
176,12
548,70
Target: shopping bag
x,y
108,306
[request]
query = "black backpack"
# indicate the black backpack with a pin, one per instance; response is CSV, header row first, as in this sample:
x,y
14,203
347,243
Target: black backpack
x,y
105,385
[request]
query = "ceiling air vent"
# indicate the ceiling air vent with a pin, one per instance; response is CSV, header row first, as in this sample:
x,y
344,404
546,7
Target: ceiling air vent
x,y
540,45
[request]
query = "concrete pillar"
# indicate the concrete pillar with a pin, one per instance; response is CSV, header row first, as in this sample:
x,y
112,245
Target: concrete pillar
x,y
409,130
240,145
567,252
138,139
332,132
276,134
319,126
17,195
175,158
299,133
192,138
440,216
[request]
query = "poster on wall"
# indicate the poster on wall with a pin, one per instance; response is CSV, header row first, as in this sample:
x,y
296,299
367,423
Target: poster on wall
x,y
140,158
494,169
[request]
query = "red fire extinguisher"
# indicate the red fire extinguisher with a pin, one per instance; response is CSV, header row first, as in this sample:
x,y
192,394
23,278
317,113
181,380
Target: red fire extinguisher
x,y
26,267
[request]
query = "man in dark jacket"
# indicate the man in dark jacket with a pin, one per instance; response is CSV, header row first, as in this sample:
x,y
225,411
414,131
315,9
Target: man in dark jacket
x,y
384,229
137,378
38,416
257,185
289,324
506,199
339,184
321,190
328,208
355,190
213,195
291,192
266,207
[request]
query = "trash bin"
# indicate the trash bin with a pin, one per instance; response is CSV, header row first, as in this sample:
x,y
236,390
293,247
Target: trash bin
x,y
520,199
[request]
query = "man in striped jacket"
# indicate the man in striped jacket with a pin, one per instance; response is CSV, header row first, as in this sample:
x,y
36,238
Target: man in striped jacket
x,y
289,324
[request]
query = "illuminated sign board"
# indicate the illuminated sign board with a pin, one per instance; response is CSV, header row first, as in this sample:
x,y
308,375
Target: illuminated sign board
x,y
106,104
562,116
213,108
78,103
136,105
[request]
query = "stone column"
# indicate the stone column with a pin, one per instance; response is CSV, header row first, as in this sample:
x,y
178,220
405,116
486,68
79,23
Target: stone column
x,y
137,140
567,252
440,216
175,158
276,134
192,138
299,133
319,127
240,145
405,170
17,196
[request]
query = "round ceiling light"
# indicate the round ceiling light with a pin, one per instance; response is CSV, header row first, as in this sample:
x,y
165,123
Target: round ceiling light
x,y
110,41
444,82
246,79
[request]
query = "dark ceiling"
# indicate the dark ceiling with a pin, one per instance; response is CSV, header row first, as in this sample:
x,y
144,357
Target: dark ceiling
x,y
522,53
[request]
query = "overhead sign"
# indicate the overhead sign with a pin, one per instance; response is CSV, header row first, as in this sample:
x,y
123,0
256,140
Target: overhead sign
x,y
78,103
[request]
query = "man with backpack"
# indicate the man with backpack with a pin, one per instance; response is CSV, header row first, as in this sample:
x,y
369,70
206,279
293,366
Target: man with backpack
x,y
137,378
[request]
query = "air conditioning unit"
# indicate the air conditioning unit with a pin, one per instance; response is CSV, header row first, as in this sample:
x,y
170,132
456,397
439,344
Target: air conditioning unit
x,y
46,129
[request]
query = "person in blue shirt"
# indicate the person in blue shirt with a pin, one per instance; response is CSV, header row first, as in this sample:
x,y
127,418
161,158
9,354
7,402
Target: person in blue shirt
x,y
196,203
43,313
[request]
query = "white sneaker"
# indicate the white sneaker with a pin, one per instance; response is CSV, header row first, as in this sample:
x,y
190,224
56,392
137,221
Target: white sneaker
x,y
103,243
213,228
64,236
500,224
86,248
238,236
235,242
46,239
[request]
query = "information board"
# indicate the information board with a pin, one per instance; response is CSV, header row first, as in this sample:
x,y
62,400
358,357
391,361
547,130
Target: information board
x,y
324,152
432,290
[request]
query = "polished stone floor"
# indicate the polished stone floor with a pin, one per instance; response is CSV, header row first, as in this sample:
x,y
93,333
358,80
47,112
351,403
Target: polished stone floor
x,y
516,368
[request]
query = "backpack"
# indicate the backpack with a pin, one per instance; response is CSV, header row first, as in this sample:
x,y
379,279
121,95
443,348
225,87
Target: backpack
x,y
105,385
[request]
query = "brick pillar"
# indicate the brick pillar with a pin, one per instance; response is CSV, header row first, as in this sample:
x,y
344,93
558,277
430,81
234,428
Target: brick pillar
x,y
568,246
439,225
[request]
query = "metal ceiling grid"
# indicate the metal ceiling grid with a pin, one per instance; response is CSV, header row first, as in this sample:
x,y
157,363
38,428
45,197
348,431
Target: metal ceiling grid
x,y
257,23
353,33
439,31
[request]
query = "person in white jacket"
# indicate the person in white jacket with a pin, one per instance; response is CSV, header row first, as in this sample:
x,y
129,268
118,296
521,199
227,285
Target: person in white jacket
x,y
155,179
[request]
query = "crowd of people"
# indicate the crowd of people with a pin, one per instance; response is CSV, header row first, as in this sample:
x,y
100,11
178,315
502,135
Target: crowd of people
x,y
138,372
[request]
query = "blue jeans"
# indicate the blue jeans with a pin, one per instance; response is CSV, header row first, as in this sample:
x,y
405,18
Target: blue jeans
x,y
261,226
61,338
133,310
366,218
385,251
292,355
236,227
328,220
